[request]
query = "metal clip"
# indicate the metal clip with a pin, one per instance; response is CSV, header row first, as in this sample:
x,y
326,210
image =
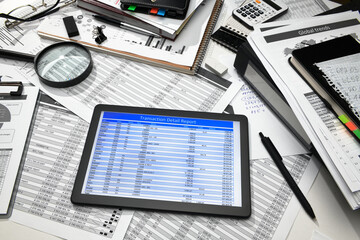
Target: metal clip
x,y
12,84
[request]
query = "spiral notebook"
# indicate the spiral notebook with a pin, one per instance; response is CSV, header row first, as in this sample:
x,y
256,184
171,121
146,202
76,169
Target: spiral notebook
x,y
185,54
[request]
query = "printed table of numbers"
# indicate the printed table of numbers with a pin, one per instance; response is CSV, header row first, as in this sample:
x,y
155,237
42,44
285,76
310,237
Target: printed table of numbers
x,y
165,158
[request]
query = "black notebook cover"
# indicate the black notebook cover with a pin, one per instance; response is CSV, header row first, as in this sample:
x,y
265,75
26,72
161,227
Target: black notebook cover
x,y
171,8
332,49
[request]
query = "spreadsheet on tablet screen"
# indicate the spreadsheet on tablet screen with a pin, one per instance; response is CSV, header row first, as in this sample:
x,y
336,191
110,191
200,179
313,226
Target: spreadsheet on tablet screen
x,y
156,157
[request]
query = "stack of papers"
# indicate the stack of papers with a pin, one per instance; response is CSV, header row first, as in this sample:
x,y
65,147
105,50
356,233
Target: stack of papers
x,y
337,148
184,55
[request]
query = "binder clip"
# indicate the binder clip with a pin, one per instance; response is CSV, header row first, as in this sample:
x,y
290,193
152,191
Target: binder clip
x,y
18,92
101,36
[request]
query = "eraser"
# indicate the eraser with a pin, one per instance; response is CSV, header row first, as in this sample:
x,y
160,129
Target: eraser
x,y
70,26
215,66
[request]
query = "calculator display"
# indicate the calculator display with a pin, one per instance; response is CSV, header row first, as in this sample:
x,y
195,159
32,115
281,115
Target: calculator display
x,y
272,4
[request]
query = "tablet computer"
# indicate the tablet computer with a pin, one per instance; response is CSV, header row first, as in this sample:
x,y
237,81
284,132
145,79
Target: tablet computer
x,y
171,160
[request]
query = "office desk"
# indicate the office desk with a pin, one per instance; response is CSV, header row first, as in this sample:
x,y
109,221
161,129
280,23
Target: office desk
x,y
335,218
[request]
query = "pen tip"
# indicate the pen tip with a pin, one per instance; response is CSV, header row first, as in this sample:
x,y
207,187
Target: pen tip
x,y
261,134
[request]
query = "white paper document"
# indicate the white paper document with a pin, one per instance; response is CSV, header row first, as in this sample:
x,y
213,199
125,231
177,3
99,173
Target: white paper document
x,y
261,118
337,148
117,81
15,117
51,160
303,8
274,208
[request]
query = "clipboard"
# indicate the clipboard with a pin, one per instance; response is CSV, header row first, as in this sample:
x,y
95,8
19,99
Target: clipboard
x,y
7,88
11,90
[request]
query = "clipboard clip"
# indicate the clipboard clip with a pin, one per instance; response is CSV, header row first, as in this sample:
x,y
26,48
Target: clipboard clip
x,y
18,92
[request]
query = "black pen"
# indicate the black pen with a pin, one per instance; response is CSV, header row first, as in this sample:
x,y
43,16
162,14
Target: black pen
x,y
125,26
279,163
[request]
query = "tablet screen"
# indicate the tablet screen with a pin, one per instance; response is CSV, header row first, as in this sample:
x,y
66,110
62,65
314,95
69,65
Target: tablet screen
x,y
165,158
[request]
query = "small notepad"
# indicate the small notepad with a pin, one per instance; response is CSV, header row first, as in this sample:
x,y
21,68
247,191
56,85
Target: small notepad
x,y
343,74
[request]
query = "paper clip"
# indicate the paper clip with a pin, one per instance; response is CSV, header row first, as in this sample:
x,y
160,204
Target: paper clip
x,y
19,86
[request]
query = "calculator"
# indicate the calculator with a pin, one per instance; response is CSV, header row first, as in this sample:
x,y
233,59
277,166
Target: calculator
x,y
258,11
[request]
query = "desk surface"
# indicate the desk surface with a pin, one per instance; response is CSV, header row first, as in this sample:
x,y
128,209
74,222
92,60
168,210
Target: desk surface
x,y
335,219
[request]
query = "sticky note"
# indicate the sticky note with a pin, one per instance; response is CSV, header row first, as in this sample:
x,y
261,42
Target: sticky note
x,y
161,12
343,119
351,126
154,10
357,133
131,8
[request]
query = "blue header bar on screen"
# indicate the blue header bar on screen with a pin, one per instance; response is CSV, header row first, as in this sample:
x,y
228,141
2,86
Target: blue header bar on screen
x,y
168,120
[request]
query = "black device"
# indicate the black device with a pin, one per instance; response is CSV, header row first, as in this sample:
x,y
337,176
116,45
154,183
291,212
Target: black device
x,y
249,66
172,160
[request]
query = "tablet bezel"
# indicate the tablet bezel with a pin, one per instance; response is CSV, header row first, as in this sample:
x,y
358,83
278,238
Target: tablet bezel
x,y
135,203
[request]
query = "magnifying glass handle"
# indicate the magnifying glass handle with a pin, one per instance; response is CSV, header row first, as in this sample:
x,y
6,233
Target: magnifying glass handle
x,y
16,55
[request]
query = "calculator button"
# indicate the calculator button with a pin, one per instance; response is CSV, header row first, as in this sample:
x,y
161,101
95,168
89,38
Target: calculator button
x,y
242,9
261,12
238,10
255,8
251,10
253,16
257,14
246,6
244,14
250,5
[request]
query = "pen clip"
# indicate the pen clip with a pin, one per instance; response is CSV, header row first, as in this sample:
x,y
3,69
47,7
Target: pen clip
x,y
19,86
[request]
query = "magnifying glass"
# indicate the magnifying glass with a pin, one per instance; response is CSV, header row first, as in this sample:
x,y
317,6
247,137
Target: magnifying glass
x,y
59,65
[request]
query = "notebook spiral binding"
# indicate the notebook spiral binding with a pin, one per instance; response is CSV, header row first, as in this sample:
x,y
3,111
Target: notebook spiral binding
x,y
209,29
231,35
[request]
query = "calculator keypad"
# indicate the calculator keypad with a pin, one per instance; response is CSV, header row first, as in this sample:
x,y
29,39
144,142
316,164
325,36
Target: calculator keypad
x,y
254,12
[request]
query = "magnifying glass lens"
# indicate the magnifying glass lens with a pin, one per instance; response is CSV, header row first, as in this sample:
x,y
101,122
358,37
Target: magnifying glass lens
x,y
66,64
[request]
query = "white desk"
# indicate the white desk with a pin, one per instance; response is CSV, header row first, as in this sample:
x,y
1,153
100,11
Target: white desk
x,y
335,218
